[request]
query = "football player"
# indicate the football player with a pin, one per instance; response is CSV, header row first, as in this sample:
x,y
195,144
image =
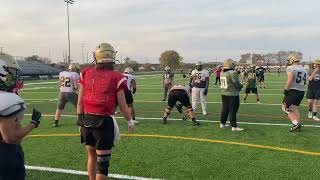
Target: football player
x,y
200,82
231,86
132,88
167,81
313,93
251,83
217,72
179,93
11,114
261,70
96,109
68,85
294,90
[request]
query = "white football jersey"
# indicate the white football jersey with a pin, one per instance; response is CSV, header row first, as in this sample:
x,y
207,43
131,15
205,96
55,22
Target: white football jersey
x,y
200,78
67,81
129,78
299,77
186,88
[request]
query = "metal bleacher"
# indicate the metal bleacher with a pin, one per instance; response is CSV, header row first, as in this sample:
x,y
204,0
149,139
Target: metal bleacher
x,y
32,68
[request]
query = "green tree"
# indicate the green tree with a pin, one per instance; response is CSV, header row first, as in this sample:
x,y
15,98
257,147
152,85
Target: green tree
x,y
34,58
170,58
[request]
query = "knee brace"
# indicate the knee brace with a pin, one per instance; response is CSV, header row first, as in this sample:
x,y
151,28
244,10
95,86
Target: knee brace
x,y
103,164
168,108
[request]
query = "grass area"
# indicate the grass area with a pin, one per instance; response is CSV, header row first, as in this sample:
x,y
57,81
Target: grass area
x,y
156,156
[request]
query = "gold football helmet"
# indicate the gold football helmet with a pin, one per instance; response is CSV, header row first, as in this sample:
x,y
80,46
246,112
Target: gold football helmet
x,y
104,53
229,64
294,57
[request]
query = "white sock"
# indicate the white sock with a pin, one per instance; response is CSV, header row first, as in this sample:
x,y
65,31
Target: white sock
x,y
295,122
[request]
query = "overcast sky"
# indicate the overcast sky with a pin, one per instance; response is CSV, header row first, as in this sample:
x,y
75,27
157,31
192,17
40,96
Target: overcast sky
x,y
142,29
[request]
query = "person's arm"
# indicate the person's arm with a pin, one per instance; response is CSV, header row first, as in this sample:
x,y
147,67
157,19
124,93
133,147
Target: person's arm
x,y
80,109
11,130
313,74
134,86
289,81
236,81
125,110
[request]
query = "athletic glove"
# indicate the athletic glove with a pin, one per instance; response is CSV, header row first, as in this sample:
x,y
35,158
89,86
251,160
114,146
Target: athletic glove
x,y
205,91
285,92
36,116
80,120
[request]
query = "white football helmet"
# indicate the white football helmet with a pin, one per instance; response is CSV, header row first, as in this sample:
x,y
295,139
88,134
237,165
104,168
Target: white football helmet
x,y
167,68
9,73
11,104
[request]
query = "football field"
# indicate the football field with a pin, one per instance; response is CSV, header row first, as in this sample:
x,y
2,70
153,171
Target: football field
x,y
179,150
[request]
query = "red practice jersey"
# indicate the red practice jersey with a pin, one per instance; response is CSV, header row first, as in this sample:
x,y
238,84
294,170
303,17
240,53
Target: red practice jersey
x,y
100,90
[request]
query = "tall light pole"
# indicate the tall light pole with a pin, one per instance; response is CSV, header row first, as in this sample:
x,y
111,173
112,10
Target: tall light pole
x,y
68,2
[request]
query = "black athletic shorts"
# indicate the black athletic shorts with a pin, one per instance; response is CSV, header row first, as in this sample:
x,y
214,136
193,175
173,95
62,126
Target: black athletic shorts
x,y
261,78
99,137
178,95
65,97
249,90
313,94
293,97
129,98
11,162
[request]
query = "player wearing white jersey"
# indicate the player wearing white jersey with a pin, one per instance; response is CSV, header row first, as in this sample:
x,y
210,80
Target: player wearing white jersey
x,y
199,80
132,88
68,85
167,81
294,90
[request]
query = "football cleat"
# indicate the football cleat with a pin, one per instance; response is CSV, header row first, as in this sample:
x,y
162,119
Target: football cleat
x,y
237,129
164,121
222,126
55,124
194,122
316,118
310,115
295,128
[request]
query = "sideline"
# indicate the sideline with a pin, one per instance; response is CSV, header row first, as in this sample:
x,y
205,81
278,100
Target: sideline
x,y
85,173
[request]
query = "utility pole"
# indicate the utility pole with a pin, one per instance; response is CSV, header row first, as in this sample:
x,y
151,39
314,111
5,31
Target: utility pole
x,y
68,2
82,54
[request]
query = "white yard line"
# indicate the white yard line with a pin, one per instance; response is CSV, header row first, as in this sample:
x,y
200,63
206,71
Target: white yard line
x,y
55,82
76,172
200,120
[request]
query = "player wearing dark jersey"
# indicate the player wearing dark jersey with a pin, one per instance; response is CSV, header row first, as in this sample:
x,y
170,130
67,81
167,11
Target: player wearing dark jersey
x,y
261,70
313,93
251,83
